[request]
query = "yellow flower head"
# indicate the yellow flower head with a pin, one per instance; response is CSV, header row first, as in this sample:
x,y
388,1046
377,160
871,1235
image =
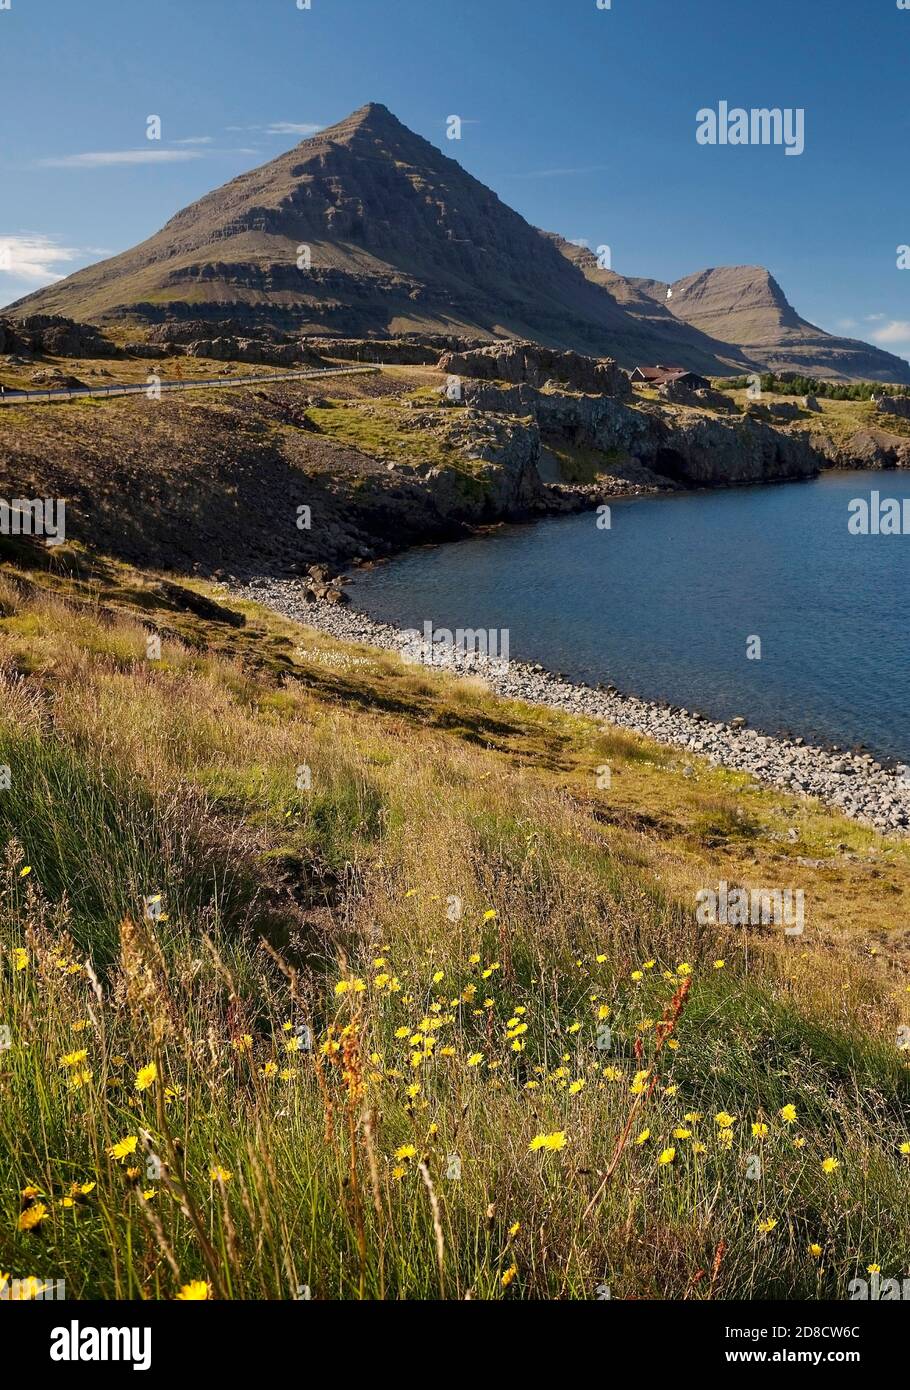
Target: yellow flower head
x,y
72,1059
146,1077
552,1142
124,1147
32,1217
195,1292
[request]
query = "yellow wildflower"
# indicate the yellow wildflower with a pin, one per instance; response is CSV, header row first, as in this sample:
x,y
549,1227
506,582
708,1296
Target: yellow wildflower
x,y
146,1077
195,1292
124,1147
551,1142
32,1217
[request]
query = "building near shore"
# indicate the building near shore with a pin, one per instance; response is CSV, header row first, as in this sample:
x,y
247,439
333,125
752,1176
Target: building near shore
x,y
665,376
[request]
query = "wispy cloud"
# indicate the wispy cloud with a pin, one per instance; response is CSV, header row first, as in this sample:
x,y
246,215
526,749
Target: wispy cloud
x,y
279,128
102,159
196,140
291,128
557,173
897,331
33,257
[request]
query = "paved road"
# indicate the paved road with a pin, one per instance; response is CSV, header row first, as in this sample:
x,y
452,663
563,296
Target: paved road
x,y
143,388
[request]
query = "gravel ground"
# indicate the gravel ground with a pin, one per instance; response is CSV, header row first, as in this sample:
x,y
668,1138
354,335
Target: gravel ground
x,y
854,783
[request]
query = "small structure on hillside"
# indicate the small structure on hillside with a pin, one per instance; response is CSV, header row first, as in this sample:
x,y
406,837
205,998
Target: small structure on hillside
x,y
667,376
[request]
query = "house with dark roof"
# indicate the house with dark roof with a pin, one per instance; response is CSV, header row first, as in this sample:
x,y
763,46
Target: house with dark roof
x,y
666,376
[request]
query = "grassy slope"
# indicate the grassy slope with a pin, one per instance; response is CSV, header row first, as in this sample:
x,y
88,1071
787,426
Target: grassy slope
x,y
469,1037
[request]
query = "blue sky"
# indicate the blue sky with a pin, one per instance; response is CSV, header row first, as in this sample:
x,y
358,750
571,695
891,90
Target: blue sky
x,y
583,119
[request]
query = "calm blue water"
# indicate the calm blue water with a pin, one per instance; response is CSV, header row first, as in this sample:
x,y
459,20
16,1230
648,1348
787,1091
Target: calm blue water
x,y
662,604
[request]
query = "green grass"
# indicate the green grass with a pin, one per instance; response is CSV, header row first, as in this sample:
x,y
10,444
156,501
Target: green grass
x,y
381,428
580,464
456,912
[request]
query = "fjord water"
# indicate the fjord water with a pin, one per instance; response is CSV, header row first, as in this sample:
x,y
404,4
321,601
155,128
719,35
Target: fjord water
x,y
663,603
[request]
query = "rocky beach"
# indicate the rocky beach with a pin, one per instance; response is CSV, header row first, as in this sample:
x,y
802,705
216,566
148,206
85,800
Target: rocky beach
x,y
853,782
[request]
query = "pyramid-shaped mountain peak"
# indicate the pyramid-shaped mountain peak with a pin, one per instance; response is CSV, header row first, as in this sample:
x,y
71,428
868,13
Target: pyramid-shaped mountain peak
x,y
373,125
368,229
372,116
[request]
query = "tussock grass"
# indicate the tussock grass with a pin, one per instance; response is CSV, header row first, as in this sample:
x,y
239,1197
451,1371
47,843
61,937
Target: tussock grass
x,y
325,1065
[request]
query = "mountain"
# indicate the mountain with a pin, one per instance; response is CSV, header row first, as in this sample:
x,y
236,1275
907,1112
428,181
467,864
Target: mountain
x,y
683,344
400,239
745,308
745,304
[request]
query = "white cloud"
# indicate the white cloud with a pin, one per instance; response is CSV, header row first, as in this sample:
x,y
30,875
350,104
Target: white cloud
x,y
558,173
280,128
33,257
103,159
195,140
897,331
291,128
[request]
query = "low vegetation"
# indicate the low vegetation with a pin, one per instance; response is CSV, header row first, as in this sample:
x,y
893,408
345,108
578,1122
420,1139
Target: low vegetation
x,y
325,977
792,384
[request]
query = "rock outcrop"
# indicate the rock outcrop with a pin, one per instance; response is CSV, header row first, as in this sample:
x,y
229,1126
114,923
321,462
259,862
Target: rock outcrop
x,y
245,350
49,335
677,393
687,447
528,363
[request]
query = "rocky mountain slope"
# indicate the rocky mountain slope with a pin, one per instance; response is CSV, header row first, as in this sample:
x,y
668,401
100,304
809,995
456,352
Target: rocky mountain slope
x,y
398,237
740,313
368,229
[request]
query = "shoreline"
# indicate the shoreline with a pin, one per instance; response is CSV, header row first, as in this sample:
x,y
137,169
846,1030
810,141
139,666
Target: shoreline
x,y
855,784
